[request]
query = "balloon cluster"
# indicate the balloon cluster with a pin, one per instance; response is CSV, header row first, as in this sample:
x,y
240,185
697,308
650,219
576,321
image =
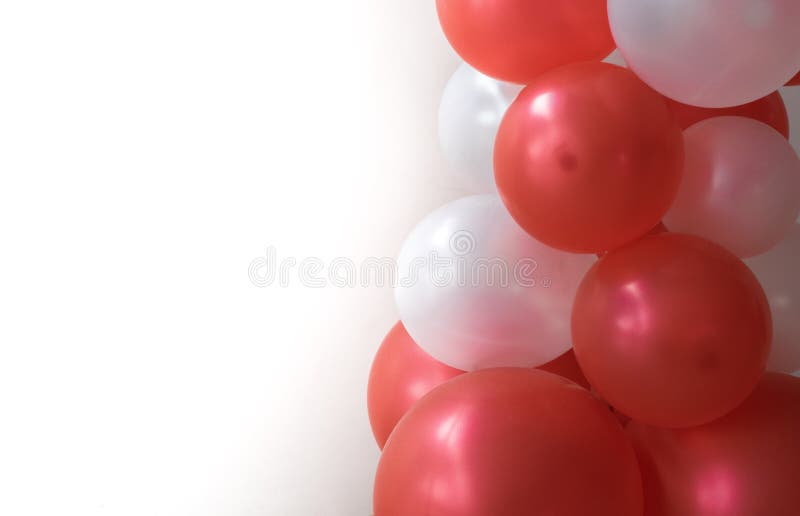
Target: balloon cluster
x,y
609,326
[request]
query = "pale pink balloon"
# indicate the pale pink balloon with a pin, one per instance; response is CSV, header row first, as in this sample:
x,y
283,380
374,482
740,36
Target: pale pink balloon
x,y
740,187
776,270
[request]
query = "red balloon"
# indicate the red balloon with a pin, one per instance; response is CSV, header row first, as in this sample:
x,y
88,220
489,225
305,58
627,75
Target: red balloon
x,y
588,158
516,40
567,367
745,464
672,330
510,442
401,374
771,110
794,81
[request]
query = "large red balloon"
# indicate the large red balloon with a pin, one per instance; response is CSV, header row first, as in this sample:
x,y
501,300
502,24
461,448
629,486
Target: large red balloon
x,y
588,158
516,40
771,110
672,330
401,374
510,442
745,464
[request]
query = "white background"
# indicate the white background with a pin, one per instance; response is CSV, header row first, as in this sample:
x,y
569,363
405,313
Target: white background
x,y
149,151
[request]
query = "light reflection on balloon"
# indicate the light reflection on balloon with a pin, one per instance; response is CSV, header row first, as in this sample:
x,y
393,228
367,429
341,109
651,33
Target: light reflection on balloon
x,y
740,187
746,463
509,442
672,330
777,270
710,53
588,158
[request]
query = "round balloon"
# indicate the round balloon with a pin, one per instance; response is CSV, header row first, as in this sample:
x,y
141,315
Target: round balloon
x,y
770,109
516,40
710,53
475,291
588,158
401,374
470,112
777,272
740,187
746,463
510,442
672,330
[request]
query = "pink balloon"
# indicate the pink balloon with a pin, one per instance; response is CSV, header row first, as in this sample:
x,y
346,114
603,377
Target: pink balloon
x,y
741,185
777,272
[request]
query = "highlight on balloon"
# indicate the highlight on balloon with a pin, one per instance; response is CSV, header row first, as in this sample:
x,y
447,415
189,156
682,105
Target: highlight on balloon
x,y
637,155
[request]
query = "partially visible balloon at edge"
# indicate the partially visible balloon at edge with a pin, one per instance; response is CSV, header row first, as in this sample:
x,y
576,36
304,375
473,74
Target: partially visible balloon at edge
x,y
699,53
476,291
744,464
508,442
740,186
401,374
470,112
777,272
517,40
794,81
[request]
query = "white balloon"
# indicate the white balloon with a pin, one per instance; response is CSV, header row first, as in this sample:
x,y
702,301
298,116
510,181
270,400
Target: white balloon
x,y
472,107
476,291
777,272
710,53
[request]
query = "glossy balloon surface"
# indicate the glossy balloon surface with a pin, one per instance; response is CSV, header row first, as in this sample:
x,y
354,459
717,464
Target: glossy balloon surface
x,y
510,442
476,291
740,187
709,53
470,112
588,158
516,40
672,330
745,464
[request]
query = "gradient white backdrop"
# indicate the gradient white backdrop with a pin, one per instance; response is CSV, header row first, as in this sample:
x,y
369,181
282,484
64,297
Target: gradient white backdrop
x,y
149,151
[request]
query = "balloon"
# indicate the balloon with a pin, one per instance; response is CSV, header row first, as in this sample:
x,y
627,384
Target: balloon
x,y
401,374
510,442
516,40
709,53
741,185
567,367
588,158
672,330
770,109
777,272
475,291
470,112
794,81
744,464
